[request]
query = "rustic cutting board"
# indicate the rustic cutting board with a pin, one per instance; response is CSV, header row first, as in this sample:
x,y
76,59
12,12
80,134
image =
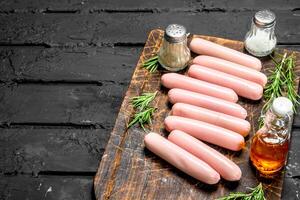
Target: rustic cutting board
x,y
129,171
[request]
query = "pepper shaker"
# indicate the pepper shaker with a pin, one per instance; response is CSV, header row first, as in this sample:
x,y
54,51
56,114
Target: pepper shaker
x,y
261,40
174,54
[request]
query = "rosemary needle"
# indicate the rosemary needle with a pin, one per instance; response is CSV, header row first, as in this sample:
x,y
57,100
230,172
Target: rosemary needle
x,y
143,117
281,82
290,81
275,85
141,102
151,64
256,193
145,112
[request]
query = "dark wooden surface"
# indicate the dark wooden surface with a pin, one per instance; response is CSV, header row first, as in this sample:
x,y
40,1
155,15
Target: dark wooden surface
x,y
127,168
64,68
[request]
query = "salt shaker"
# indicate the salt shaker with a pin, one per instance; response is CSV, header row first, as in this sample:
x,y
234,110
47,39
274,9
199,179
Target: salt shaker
x,y
261,40
174,54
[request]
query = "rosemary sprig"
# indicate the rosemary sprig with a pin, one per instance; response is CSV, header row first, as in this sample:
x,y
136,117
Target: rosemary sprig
x,y
151,64
290,81
145,112
143,117
276,82
141,102
281,82
256,193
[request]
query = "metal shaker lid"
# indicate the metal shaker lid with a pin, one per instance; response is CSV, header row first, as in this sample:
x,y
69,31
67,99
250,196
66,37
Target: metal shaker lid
x,y
175,33
264,18
282,106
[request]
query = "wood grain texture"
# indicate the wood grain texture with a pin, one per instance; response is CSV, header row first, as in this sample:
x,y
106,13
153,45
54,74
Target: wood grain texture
x,y
128,171
68,65
35,151
60,104
130,28
36,81
293,165
291,186
59,188
79,6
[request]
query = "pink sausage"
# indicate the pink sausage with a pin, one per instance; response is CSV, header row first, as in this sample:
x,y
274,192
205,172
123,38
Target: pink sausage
x,y
184,96
235,124
232,68
206,132
174,80
205,47
242,87
181,159
225,167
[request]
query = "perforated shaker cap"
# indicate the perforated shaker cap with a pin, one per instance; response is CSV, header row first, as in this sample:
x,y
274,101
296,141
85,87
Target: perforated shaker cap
x,y
264,18
282,106
175,33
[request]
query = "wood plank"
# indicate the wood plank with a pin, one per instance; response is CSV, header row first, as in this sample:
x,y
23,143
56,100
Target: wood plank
x,y
295,47
130,28
87,6
128,171
32,151
60,104
293,167
91,64
291,188
296,122
142,5
58,187
291,183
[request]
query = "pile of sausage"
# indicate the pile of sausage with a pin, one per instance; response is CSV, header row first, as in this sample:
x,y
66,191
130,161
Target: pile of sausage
x,y
205,109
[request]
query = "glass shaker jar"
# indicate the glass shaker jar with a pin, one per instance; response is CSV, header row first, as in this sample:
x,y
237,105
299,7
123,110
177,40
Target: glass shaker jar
x,y
174,54
261,40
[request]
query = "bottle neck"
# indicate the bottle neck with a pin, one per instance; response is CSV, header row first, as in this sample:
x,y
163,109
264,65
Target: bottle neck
x,y
273,120
276,128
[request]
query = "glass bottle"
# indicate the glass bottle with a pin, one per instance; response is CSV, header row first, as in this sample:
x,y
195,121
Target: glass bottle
x,y
174,54
261,40
269,147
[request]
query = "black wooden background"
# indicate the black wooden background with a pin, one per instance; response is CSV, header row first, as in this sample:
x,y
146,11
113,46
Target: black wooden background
x,y
64,68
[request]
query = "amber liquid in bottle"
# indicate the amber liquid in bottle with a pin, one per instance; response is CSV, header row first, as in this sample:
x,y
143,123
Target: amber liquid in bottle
x,y
269,147
268,158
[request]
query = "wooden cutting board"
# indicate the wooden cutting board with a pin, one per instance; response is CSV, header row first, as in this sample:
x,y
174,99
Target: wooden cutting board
x,y
129,171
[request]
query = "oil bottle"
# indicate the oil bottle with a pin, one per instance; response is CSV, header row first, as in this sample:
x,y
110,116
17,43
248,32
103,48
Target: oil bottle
x,y
269,147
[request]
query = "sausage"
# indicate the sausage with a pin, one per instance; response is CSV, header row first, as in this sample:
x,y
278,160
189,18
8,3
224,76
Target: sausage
x,y
184,96
201,46
174,80
224,166
242,87
235,124
232,68
206,132
181,159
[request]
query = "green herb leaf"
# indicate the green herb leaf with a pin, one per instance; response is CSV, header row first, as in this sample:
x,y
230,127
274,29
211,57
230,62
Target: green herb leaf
x,y
151,64
256,193
145,112
281,82
142,117
290,81
143,101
